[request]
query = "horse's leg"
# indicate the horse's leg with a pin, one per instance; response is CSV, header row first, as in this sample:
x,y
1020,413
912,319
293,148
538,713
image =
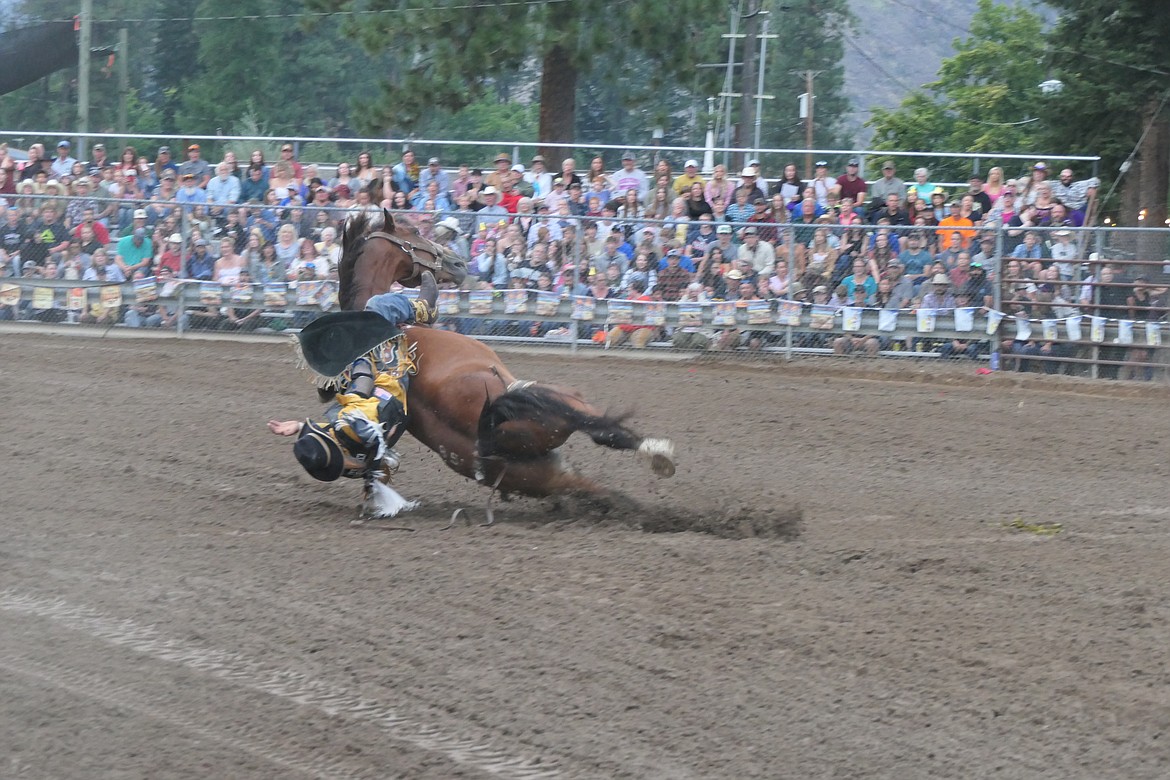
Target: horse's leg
x,y
609,431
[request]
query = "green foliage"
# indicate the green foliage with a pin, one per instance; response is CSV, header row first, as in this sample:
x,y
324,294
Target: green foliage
x,y
173,61
983,98
1107,54
811,36
448,56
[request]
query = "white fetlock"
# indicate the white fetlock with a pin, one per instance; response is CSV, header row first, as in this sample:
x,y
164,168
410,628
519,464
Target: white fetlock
x,y
391,460
660,452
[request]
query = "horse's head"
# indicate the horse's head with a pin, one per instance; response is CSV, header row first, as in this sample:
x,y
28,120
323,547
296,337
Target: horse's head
x,y
378,252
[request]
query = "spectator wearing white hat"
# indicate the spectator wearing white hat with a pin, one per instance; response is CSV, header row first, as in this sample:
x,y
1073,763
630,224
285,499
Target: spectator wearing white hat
x,y
749,178
761,181
492,214
689,177
823,185
520,184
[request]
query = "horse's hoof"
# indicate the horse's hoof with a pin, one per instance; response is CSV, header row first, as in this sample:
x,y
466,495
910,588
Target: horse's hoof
x,y
662,465
661,455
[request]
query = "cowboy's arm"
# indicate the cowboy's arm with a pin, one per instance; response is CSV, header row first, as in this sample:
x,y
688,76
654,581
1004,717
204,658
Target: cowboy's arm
x,y
361,378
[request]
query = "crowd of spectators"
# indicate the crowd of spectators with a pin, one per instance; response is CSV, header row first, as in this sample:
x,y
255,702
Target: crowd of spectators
x,y
624,233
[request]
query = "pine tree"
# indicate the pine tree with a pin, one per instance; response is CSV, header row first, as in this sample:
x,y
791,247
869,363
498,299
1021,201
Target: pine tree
x,y
1111,57
811,38
449,55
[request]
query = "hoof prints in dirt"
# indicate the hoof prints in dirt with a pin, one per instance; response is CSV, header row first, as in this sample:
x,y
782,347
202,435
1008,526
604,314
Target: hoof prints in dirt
x,y
736,523
619,511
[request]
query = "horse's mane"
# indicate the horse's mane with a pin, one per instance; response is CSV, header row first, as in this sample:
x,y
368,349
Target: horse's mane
x,y
353,237
354,233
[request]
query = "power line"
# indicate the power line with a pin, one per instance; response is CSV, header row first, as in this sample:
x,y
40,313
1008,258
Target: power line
x,y
320,14
998,124
1099,58
877,64
922,11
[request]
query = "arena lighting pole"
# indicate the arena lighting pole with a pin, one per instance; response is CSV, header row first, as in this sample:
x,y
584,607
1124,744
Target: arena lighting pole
x,y
85,18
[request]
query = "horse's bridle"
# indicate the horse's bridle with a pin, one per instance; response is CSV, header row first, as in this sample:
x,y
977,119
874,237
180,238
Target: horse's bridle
x,y
434,264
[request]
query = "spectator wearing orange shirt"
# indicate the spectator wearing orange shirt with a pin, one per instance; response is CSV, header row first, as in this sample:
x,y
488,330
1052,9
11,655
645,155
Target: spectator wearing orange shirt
x,y
954,222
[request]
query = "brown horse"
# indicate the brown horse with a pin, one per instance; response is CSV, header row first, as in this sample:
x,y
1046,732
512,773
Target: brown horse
x,y
464,402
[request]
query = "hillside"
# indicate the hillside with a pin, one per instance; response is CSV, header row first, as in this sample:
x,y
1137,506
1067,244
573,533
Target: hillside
x,y
899,46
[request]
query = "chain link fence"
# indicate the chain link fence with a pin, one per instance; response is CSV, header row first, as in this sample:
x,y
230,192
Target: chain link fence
x,y
1057,299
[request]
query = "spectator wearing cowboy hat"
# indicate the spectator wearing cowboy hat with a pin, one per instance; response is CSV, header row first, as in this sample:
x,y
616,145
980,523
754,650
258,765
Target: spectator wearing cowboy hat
x,y
938,293
749,177
492,214
502,172
449,233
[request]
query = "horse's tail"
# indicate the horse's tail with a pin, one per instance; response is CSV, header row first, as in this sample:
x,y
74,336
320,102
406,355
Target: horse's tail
x,y
529,422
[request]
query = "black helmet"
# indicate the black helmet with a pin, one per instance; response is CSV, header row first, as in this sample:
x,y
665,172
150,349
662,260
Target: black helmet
x,y
319,453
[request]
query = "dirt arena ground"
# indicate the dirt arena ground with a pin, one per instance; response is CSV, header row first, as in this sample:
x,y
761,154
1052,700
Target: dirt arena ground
x,y
176,601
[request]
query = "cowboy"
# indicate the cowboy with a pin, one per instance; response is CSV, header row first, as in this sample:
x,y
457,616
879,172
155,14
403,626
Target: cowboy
x,y
369,412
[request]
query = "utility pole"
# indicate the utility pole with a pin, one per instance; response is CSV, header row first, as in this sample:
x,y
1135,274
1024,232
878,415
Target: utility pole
x,y
123,56
809,100
729,77
760,96
747,106
84,41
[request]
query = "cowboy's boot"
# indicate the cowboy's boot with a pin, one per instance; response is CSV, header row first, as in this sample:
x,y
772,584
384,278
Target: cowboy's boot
x,y
428,292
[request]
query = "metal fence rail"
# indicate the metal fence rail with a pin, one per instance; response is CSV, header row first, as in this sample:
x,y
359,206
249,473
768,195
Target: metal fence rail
x,y
1081,300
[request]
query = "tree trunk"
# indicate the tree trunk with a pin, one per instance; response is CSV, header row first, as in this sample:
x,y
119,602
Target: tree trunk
x,y
558,106
1148,184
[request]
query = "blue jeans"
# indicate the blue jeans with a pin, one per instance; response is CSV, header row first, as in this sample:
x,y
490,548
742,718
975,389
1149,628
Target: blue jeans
x,y
394,307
